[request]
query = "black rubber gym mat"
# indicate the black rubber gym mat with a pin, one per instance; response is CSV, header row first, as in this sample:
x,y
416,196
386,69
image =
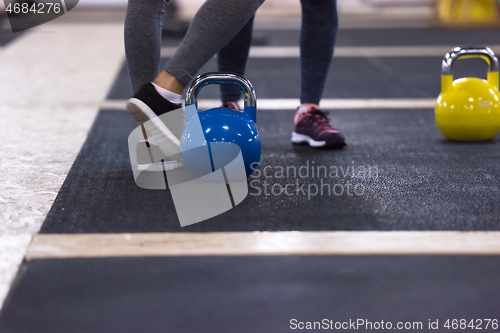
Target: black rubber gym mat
x,y
379,37
251,294
417,36
407,176
404,77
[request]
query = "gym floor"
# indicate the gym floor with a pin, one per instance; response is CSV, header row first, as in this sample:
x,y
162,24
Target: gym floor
x,y
417,242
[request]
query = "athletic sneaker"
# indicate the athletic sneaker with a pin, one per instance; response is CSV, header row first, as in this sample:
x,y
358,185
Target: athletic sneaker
x,y
312,128
147,107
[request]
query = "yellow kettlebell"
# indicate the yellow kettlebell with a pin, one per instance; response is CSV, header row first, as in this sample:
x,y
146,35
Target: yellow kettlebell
x,y
468,109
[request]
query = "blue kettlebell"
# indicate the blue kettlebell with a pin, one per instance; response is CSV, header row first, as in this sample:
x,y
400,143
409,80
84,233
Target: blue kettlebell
x,y
221,129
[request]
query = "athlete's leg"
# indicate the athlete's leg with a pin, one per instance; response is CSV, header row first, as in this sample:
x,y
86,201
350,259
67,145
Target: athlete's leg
x,y
233,58
317,41
143,40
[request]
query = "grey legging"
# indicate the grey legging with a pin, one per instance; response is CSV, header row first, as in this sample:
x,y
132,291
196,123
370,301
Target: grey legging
x,y
317,40
215,24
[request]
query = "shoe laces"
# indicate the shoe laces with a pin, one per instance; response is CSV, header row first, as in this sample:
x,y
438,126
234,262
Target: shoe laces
x,y
319,117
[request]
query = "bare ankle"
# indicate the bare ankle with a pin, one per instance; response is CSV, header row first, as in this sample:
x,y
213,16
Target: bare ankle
x,y
169,82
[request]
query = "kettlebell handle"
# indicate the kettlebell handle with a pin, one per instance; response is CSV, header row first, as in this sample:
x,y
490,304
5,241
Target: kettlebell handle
x,y
224,78
468,52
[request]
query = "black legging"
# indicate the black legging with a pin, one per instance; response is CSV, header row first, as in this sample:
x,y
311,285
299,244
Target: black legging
x,y
317,40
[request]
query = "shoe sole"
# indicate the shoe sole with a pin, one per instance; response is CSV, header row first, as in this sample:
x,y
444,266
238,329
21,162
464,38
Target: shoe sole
x,y
301,139
168,143
158,166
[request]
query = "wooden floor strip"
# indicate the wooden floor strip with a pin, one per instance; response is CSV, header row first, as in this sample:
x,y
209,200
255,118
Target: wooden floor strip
x,y
327,103
265,243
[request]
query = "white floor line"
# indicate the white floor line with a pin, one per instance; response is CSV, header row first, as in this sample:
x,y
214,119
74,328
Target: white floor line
x,y
52,81
292,103
266,243
348,51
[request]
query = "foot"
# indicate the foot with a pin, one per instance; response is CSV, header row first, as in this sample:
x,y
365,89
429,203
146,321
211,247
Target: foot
x,y
231,105
312,128
149,109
